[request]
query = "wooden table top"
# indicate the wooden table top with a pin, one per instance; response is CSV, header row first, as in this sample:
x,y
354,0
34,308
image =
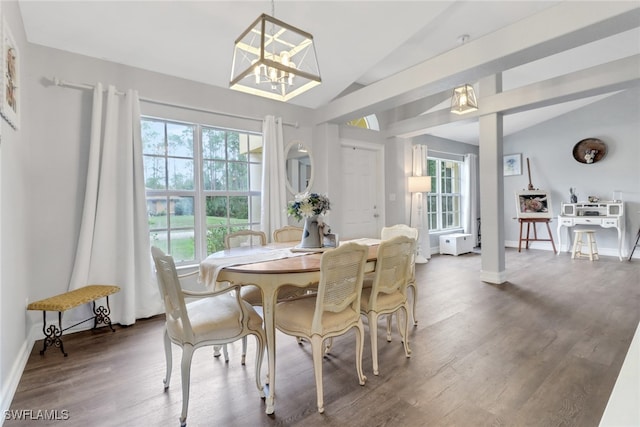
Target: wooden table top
x,y
297,264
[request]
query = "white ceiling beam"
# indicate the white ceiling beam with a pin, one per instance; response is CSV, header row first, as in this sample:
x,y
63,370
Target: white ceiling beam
x,y
605,78
562,27
418,107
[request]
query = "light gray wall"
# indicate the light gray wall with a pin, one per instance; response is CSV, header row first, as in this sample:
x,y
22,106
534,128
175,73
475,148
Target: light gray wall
x,y
549,146
15,273
445,149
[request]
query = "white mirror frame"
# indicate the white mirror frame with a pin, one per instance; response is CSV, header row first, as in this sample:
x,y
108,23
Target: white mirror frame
x,y
291,146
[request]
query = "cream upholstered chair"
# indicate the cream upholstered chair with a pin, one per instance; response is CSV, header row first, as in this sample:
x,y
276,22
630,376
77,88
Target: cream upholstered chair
x,y
245,238
404,230
288,233
251,294
333,311
388,291
214,318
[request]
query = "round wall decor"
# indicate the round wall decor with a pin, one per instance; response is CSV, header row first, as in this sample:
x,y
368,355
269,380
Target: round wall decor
x,y
589,150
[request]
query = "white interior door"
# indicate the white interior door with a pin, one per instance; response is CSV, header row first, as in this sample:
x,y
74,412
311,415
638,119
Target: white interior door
x,y
362,203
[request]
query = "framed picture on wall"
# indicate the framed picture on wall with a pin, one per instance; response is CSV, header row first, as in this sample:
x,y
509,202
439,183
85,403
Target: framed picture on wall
x,y
10,78
512,164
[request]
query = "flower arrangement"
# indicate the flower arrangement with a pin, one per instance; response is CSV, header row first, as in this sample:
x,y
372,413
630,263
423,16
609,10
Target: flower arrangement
x,y
307,205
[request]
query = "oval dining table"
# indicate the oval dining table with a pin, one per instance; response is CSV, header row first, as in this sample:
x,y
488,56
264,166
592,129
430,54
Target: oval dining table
x,y
300,270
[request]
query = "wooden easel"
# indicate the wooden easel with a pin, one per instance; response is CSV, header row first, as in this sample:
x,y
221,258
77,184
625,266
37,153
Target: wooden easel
x,y
535,238
529,173
534,221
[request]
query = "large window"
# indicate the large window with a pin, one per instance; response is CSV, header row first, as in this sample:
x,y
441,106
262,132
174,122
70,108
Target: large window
x,y
444,200
201,183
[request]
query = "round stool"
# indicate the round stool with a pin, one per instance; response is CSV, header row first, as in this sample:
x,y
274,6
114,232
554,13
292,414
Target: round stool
x,y
590,243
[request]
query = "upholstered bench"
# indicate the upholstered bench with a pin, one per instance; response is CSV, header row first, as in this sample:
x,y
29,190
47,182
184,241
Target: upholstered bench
x,y
67,301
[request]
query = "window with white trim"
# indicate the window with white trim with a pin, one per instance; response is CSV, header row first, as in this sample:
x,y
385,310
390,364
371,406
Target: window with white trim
x,y
444,202
201,183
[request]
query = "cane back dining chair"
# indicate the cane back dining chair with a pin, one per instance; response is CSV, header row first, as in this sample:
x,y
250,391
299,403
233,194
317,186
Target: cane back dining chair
x,y
251,294
332,311
288,233
404,230
213,318
247,238
244,238
388,291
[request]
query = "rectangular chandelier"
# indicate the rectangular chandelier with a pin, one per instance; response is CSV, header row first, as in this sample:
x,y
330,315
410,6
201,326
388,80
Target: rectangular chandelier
x,y
275,60
463,100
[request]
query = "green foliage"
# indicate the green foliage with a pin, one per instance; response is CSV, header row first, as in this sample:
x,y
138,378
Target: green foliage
x,y
215,239
217,206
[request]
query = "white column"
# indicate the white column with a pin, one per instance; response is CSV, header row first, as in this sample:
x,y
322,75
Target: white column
x,y
491,188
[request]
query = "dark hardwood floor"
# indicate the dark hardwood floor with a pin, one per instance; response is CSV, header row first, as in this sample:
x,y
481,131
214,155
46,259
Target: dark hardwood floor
x,y
543,349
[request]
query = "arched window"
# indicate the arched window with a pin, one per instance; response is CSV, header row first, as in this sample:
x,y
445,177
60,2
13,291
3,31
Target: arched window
x,y
368,122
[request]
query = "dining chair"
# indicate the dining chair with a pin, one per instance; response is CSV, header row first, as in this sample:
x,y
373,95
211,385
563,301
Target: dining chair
x,y
285,234
388,291
404,230
251,294
288,233
332,311
213,318
244,238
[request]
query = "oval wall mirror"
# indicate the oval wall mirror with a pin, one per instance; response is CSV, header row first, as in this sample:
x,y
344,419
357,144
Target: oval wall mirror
x,y
299,167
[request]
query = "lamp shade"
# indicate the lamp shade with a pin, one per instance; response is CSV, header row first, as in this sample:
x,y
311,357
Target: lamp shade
x,y
419,184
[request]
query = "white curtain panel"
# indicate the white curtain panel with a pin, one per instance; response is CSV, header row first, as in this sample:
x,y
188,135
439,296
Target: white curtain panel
x,y
419,212
470,196
273,214
113,245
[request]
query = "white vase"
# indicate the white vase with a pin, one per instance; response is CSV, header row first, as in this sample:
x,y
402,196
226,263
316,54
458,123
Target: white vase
x,y
310,234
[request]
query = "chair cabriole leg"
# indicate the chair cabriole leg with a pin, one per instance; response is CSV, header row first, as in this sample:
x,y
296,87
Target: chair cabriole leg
x,y
373,333
168,358
187,355
317,346
359,352
259,357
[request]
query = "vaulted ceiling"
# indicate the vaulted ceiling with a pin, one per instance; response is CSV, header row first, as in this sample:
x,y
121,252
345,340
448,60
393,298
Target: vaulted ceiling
x,y
394,58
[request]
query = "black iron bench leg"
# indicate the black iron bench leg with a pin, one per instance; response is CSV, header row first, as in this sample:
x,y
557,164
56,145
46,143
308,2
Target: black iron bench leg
x,y
101,315
52,334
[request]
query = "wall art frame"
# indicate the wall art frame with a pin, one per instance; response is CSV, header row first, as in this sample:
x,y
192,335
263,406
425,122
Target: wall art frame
x,y
533,204
512,164
10,78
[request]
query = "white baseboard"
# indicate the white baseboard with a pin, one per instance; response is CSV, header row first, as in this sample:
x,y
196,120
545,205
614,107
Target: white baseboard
x,y
497,278
546,246
10,387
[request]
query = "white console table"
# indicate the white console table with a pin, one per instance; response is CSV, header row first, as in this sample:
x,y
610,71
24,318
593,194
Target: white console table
x,y
602,214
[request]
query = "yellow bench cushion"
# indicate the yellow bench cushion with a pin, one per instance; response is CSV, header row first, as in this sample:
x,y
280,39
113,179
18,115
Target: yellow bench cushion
x,y
74,298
